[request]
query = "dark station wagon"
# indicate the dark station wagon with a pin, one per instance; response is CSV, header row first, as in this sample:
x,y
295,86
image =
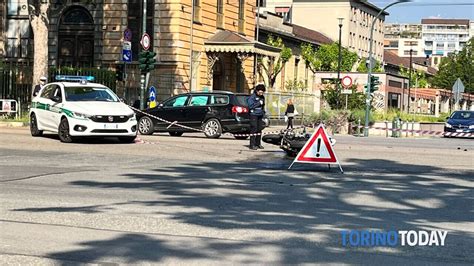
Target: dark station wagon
x,y
214,112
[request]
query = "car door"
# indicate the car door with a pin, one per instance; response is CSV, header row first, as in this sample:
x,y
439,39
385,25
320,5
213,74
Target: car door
x,y
196,110
42,106
57,103
171,110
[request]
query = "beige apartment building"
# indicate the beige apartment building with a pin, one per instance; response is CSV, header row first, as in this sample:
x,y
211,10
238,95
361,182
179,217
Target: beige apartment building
x,y
322,16
206,46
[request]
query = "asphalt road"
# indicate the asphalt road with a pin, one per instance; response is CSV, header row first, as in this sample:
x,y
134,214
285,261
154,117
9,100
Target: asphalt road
x,y
191,200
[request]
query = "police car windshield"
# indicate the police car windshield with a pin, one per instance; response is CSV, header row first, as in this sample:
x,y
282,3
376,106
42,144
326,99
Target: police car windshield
x,y
82,94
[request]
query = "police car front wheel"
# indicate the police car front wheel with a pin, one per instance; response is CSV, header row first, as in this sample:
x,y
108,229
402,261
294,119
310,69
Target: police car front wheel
x,y
63,132
35,132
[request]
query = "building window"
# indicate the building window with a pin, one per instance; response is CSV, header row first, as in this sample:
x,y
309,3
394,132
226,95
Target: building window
x,y
284,12
413,53
395,84
297,63
220,14
18,32
440,46
197,10
134,22
241,16
196,64
411,43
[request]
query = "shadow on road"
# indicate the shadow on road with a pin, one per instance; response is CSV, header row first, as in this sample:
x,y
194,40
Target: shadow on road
x,y
311,207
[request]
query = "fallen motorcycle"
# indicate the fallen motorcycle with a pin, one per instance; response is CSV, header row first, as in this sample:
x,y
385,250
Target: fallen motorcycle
x,y
290,141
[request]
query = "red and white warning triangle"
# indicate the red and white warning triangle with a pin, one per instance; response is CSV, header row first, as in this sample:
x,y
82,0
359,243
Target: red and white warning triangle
x,y
318,149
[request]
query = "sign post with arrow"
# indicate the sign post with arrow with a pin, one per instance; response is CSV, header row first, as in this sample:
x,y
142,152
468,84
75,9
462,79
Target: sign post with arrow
x,y
458,89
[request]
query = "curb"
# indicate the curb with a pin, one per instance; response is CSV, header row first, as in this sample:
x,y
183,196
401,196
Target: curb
x,y
13,124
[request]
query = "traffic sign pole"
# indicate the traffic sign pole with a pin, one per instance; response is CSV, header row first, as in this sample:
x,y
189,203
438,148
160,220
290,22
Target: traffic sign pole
x,y
346,82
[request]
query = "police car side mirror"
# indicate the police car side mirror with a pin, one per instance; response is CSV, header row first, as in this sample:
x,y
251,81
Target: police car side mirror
x,y
122,100
56,99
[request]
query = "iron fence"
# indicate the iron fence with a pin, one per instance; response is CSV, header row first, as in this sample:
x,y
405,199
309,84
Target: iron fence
x,y
16,79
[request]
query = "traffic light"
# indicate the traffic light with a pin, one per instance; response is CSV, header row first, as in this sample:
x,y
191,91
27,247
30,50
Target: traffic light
x,y
374,84
119,72
147,61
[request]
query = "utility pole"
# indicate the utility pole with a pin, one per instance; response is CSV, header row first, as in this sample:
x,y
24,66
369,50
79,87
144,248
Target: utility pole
x,y
369,75
409,79
143,77
191,47
338,84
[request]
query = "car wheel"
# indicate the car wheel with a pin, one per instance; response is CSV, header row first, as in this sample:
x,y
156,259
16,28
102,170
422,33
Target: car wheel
x,y
145,126
175,134
127,139
63,131
35,132
212,128
241,137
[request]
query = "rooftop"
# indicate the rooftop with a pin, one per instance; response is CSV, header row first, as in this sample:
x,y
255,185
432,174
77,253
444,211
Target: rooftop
x,y
442,21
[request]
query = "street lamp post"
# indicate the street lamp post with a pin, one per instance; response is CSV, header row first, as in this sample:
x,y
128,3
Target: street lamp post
x,y
409,79
338,84
369,75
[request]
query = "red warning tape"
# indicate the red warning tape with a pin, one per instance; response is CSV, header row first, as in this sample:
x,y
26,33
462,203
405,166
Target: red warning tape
x,y
175,123
422,132
426,132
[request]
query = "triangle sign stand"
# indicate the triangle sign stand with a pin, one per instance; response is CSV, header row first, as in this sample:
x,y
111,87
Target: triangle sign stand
x,y
318,149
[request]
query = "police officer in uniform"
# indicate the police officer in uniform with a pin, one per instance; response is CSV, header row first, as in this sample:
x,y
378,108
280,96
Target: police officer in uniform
x,y
256,103
38,87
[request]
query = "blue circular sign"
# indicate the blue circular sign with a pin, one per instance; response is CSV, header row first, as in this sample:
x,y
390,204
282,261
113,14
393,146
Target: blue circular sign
x,y
127,35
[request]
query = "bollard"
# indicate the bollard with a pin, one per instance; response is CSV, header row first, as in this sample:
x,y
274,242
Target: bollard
x,y
412,128
386,128
358,128
406,132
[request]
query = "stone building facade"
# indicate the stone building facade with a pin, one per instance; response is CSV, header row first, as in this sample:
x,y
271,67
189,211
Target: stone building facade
x,y
208,46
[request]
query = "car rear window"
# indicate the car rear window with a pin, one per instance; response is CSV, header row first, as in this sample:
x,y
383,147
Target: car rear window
x,y
219,99
242,100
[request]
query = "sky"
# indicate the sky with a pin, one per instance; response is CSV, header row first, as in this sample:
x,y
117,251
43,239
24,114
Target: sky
x,y
413,12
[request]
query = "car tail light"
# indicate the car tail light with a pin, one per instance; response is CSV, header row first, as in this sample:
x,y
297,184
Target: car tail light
x,y
239,109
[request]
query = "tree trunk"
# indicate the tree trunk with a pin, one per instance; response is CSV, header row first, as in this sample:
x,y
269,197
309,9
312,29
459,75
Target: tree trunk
x,y
39,25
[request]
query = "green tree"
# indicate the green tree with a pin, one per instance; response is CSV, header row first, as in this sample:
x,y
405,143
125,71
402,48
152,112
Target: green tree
x,y
456,66
326,57
355,101
270,67
363,66
418,78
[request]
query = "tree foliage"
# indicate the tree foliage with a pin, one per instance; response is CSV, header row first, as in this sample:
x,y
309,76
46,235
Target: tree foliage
x,y
418,78
355,101
270,67
456,66
326,57
377,68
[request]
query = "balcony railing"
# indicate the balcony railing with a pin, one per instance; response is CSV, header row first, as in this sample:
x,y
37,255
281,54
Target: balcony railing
x,y
220,21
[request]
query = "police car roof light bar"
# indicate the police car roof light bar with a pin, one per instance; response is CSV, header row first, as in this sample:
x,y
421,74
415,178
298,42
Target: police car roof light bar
x,y
74,78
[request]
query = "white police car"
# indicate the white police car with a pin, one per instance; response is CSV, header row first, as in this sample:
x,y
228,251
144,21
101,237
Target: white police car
x,y
74,108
